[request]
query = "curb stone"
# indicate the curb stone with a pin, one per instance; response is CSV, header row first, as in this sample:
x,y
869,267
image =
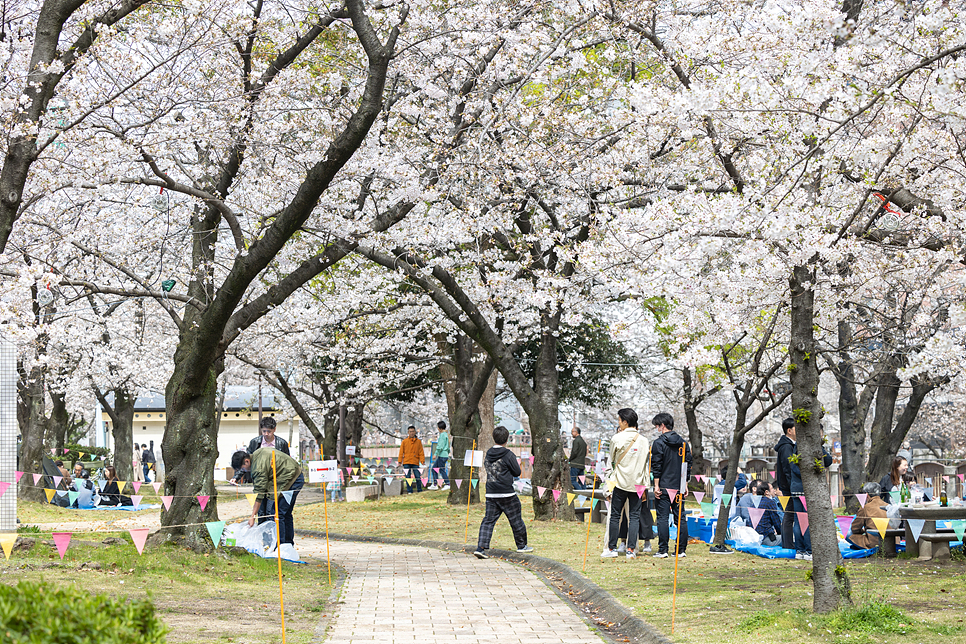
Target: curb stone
x,y
587,596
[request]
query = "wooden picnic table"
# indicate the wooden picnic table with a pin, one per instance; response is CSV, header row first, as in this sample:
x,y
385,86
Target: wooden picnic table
x,y
933,543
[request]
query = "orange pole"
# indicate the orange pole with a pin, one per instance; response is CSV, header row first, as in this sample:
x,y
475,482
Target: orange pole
x,y
469,495
325,508
593,489
278,547
677,547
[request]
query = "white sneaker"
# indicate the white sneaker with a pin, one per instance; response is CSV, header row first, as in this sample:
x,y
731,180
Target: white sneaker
x,y
682,555
432,487
621,548
445,487
608,554
647,547
631,555
661,555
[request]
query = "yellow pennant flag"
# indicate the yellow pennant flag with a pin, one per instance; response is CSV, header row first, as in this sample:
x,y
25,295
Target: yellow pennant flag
x,y
654,514
611,485
570,498
784,501
49,493
251,499
355,470
120,486
881,524
80,454
7,539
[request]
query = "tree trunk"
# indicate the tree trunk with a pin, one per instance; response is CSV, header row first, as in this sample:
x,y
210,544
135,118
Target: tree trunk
x,y
353,429
122,429
853,410
58,423
328,445
487,418
691,418
734,455
887,439
829,578
32,445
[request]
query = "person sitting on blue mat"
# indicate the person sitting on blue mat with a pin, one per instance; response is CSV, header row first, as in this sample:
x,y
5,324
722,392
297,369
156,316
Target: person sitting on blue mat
x,y
747,501
864,533
770,524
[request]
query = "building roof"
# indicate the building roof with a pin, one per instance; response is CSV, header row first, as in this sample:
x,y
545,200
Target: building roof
x,y
237,398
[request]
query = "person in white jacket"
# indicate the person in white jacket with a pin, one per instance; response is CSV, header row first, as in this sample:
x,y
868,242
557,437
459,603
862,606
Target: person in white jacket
x,y
628,457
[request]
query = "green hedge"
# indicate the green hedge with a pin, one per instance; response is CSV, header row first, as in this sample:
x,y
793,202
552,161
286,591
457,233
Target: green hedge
x,y
32,613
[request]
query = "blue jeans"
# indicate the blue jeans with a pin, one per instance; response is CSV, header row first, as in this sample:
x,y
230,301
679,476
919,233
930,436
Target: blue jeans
x,y
574,473
286,522
147,469
412,471
440,465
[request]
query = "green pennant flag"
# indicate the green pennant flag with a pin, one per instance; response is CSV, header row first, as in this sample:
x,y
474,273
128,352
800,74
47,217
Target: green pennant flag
x,y
72,495
959,527
895,497
474,482
707,509
726,499
215,529
593,503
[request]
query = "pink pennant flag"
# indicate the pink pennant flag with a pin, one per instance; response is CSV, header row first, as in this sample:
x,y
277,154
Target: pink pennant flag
x,y
582,479
425,480
166,501
137,486
832,498
755,514
556,495
458,482
436,469
804,503
698,495
157,487
671,494
845,525
772,473
862,498
61,540
53,450
540,491
961,477
57,480
3,488
139,535
699,477
203,500
37,478
803,521
641,490
66,450
136,499
18,475
532,458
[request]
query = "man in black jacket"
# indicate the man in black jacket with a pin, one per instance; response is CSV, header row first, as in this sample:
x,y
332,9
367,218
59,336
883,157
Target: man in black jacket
x,y
783,476
666,469
578,459
268,438
501,466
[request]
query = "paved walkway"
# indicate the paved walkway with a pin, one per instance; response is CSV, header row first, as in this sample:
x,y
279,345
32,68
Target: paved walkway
x,y
405,594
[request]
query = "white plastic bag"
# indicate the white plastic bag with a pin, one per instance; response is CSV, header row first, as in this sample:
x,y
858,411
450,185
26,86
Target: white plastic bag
x,y
745,536
895,521
259,540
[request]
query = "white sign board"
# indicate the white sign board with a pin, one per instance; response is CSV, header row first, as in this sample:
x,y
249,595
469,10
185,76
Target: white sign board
x,y
525,455
350,450
473,458
323,471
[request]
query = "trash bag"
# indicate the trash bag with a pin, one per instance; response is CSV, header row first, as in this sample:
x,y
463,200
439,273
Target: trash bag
x,y
892,511
745,535
259,540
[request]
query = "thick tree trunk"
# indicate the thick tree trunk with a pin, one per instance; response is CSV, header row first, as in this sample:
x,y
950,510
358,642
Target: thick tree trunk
x,y
32,445
734,455
328,443
487,418
121,414
829,578
353,429
58,423
853,410
691,418
887,439
550,469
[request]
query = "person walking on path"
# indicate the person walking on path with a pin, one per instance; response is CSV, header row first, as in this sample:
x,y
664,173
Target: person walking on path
x,y
147,462
412,455
666,467
578,459
288,476
628,457
501,467
441,457
783,476
136,464
267,437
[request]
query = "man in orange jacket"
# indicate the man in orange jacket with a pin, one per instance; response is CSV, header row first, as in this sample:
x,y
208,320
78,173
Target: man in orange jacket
x,y
411,455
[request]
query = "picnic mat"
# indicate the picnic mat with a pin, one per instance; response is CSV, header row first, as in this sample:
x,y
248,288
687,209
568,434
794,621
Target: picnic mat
x,y
778,552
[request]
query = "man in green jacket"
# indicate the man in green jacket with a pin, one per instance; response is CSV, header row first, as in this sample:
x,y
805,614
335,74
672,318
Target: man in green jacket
x,y
441,458
287,476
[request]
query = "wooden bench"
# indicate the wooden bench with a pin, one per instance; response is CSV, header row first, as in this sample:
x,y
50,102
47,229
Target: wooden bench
x,y
597,512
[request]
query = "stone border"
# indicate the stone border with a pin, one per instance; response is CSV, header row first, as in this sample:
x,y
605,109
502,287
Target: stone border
x,y
606,611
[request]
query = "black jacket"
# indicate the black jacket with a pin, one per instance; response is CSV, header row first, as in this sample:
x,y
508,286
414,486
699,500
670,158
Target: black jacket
x,y
783,469
666,460
797,487
280,444
578,453
501,466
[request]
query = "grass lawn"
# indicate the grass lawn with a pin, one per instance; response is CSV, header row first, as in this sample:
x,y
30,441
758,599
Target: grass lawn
x,y
216,597
722,599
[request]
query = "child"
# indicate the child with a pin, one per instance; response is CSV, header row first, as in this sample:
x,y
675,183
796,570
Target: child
x,y
501,466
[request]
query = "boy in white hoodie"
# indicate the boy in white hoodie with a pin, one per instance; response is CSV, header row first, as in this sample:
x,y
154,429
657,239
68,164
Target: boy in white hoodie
x,y
628,457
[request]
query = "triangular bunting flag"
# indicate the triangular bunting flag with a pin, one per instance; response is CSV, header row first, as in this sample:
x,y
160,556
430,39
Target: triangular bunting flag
x,y
215,529
915,526
49,493
53,450
57,480
251,499
698,478
3,488
671,494
72,496
139,536
120,486
834,499
726,499
862,498
756,500
698,496
556,495
66,450
570,497
80,454
137,486
61,540
845,525
802,521
355,479
474,482
136,499
881,525
611,485
641,489
532,459
895,497
960,476
458,482
7,539
157,487
654,515
804,502
755,514
436,469
582,479
771,473
784,501
19,475
166,501
37,478
425,480
540,491
203,500
959,527
707,509
287,495
593,503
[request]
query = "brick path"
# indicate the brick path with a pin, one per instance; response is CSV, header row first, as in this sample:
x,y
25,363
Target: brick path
x,y
404,594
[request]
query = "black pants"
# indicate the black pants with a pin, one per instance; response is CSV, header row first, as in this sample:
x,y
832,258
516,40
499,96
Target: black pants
x,y
665,508
803,540
646,533
510,506
788,521
618,499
